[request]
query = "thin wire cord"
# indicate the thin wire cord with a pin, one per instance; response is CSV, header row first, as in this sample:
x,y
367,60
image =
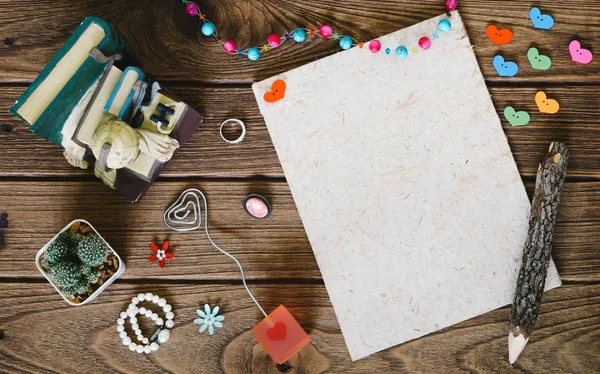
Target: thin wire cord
x,y
178,207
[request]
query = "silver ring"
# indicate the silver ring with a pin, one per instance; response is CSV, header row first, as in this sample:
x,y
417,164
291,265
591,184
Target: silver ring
x,y
238,140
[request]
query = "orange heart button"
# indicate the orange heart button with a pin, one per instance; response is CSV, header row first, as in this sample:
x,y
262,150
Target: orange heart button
x,y
546,105
277,92
501,36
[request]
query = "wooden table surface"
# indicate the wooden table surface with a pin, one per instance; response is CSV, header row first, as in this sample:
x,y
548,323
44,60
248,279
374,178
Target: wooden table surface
x,y
42,193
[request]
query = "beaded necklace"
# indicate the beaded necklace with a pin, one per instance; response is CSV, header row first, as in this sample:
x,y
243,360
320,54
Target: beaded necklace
x,y
299,35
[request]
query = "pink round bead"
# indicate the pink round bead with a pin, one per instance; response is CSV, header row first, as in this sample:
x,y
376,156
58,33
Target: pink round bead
x,y
191,9
450,5
257,208
274,40
425,42
229,46
374,46
326,31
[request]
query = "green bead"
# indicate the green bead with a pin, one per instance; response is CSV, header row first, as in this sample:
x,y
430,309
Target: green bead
x,y
336,36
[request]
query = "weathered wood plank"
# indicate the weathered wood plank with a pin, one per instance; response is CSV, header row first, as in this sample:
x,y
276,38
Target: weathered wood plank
x,y
206,154
43,334
172,49
269,249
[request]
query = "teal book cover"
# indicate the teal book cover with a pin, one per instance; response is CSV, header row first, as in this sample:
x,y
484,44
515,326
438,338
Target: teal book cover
x,y
50,122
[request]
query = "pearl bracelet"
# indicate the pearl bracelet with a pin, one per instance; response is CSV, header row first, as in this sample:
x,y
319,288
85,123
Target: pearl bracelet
x,y
163,331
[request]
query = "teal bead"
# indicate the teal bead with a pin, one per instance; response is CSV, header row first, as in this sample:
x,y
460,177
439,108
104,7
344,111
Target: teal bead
x,y
401,52
299,36
444,25
336,37
208,29
346,42
253,54
387,51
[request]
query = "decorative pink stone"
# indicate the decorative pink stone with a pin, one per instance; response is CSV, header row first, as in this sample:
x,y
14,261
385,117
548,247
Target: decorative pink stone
x,y
425,42
374,46
229,46
274,40
450,5
257,208
191,9
326,31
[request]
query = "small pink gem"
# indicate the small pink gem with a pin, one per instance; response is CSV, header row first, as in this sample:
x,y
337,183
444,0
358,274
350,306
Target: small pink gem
x,y
326,31
374,46
425,42
451,5
229,46
274,40
191,9
257,208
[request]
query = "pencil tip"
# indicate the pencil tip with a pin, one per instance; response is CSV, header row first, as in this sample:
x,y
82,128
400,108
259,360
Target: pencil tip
x,y
515,346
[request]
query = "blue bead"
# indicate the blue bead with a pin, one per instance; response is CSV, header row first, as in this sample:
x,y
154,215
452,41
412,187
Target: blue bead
x,y
253,54
299,35
240,52
345,42
401,52
444,25
287,36
208,29
435,35
387,51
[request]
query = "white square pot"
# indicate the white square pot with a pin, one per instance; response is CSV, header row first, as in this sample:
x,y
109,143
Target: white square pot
x,y
116,275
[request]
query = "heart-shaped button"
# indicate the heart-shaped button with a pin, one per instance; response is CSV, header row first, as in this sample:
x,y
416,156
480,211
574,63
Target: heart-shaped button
x,y
277,92
578,54
537,60
499,36
505,68
546,105
540,21
278,332
520,118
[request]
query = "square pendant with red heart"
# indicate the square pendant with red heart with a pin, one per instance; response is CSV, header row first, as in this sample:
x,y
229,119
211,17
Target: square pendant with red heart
x,y
280,335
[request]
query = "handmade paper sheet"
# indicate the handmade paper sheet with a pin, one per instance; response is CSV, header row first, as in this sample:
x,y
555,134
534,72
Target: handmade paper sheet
x,y
405,183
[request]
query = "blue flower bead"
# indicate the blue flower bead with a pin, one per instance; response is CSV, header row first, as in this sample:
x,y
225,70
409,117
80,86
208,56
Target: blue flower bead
x,y
208,29
444,25
401,52
345,42
253,54
299,36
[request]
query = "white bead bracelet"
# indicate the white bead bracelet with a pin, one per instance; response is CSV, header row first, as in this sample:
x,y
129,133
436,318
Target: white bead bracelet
x,y
160,335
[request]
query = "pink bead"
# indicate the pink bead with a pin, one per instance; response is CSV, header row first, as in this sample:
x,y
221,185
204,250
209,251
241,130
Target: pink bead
x,y
274,40
374,46
425,42
229,46
326,31
191,9
451,5
257,208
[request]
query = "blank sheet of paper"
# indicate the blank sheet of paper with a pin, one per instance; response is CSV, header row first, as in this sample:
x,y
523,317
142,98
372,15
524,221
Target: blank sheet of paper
x,y
405,183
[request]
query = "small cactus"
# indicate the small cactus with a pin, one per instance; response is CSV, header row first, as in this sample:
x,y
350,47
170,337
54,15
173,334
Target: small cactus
x,y
92,251
80,287
55,254
90,274
65,274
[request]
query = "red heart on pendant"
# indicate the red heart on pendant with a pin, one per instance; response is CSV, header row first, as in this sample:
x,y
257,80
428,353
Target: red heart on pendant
x,y
278,332
277,92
